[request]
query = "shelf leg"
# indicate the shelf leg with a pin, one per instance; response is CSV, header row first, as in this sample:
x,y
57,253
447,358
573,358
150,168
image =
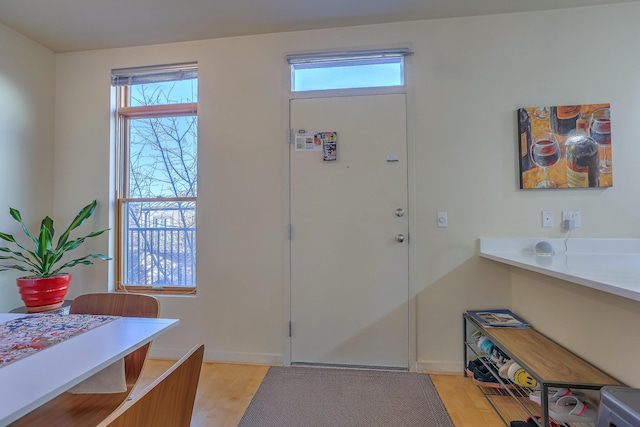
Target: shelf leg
x,y
544,404
464,347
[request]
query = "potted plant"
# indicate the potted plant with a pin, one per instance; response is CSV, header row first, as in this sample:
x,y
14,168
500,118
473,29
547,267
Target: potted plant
x,y
46,288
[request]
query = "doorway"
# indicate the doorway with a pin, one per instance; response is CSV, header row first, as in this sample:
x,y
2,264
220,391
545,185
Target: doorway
x,y
350,229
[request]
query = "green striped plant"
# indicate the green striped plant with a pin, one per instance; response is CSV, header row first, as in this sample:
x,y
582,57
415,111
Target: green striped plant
x,y
45,260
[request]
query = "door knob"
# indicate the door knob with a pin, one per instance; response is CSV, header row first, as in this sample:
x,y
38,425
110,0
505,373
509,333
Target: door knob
x,y
399,212
400,237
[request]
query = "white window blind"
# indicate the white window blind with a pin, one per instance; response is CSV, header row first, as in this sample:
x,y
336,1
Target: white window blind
x,y
308,58
154,74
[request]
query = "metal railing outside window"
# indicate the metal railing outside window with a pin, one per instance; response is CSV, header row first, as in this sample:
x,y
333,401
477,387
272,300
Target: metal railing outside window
x,y
161,248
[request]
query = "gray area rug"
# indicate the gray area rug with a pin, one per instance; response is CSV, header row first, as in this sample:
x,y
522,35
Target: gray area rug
x,y
329,397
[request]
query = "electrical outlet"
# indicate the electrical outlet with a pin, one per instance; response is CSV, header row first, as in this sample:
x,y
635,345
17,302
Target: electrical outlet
x,y
572,215
547,218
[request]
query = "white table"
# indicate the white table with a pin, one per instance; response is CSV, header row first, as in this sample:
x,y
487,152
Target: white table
x,y
29,382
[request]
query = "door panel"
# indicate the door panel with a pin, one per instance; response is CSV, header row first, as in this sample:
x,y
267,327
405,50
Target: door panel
x,y
349,273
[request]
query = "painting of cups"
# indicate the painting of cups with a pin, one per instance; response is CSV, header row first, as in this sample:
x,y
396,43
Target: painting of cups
x,y
566,146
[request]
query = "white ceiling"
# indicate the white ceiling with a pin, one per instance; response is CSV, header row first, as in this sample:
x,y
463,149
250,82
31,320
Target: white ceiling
x,y
74,25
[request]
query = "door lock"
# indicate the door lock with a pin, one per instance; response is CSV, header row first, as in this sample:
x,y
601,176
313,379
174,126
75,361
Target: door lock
x,y
399,212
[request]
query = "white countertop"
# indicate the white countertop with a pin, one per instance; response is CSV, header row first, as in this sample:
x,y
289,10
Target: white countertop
x,y
609,265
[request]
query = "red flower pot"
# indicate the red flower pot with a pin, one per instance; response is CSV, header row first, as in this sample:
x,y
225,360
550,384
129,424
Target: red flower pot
x,y
42,294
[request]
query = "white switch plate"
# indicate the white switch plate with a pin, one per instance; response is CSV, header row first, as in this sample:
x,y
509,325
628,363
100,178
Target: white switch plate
x,y
574,215
443,221
547,218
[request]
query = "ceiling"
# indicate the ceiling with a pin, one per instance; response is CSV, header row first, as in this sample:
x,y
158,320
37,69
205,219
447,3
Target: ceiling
x,y
75,25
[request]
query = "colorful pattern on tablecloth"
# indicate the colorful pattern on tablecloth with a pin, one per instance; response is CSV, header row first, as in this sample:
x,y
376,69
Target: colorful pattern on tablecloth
x,y
26,335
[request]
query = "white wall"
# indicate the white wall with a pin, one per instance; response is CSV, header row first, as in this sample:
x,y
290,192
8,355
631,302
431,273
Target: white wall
x,y
27,94
469,76
473,73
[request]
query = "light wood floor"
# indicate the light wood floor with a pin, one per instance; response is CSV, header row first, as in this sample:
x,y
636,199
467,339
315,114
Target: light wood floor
x,y
225,390
465,403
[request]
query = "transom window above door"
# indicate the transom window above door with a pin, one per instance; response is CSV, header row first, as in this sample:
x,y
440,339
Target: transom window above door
x,y
347,70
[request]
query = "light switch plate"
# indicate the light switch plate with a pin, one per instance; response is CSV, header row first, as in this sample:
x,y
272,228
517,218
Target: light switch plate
x,y
443,221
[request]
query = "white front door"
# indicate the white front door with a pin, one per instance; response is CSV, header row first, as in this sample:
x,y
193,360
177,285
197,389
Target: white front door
x,y
349,262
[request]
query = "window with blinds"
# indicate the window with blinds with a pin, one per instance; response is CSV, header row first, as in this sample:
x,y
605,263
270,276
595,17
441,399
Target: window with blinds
x,y
157,120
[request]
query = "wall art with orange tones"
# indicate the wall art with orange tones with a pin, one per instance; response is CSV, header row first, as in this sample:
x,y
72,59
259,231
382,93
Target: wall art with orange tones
x,y
566,146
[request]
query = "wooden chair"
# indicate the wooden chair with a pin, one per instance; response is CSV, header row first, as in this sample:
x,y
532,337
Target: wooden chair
x,y
79,410
125,305
168,401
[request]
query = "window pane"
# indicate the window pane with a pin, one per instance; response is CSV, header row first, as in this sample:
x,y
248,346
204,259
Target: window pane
x,y
347,74
164,93
160,244
163,157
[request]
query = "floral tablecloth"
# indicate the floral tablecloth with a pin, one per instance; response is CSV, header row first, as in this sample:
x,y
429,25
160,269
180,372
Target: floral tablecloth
x,y
26,335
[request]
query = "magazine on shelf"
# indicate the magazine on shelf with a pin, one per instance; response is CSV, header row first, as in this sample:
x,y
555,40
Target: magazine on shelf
x,y
497,319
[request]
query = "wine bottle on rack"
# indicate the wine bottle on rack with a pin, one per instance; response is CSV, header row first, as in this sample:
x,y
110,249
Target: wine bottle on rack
x,y
583,169
524,129
563,119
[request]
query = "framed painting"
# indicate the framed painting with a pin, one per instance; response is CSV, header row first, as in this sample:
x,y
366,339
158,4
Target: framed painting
x,y
566,146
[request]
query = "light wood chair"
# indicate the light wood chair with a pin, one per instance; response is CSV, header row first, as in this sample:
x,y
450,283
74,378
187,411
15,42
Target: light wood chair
x,y
80,410
125,305
168,401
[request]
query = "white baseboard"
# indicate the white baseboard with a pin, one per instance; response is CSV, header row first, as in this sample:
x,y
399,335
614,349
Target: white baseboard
x,y
220,356
439,367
